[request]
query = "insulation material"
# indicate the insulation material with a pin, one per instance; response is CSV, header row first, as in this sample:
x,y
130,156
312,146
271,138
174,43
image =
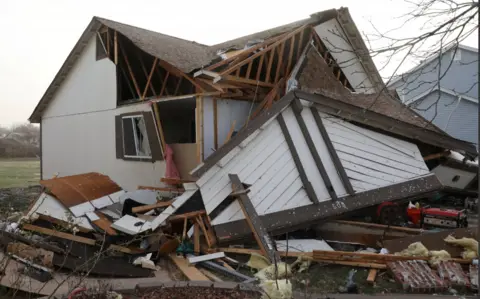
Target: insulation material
x,y
414,249
284,270
171,170
437,256
277,289
257,261
470,245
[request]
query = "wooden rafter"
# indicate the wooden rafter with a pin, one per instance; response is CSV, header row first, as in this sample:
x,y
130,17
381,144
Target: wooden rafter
x,y
115,47
268,98
290,55
215,123
164,85
149,80
260,67
244,54
249,70
130,71
300,42
170,68
272,46
270,63
234,80
144,69
279,61
178,86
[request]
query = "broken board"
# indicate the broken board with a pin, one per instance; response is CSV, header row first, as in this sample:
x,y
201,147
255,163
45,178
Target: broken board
x,y
190,272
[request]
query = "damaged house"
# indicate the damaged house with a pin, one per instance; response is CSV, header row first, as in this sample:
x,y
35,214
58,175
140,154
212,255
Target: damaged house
x,y
308,130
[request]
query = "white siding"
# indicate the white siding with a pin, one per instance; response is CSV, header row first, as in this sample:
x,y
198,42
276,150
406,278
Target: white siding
x,y
265,163
446,174
78,127
371,159
331,33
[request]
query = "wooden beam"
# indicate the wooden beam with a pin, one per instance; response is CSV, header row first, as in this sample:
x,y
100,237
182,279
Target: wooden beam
x,y
199,128
259,68
146,208
280,62
230,132
272,46
297,110
372,274
241,56
149,79
173,190
303,175
135,84
233,80
300,42
51,232
142,64
290,55
268,99
436,156
249,70
188,215
164,85
333,153
215,123
199,220
159,126
210,233
260,233
170,68
191,273
269,67
196,238
178,86
115,47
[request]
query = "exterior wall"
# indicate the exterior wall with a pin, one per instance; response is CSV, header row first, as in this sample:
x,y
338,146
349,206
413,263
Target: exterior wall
x,y
458,76
337,43
457,118
227,112
78,127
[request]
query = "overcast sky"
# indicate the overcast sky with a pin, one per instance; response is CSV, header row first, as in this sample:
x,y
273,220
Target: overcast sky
x,y
37,35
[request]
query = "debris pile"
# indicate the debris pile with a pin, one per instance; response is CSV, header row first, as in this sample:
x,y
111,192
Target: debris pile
x,y
87,225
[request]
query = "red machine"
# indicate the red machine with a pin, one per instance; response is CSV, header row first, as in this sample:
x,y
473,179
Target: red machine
x,y
393,214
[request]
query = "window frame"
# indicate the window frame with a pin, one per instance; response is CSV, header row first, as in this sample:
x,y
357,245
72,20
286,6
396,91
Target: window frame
x,y
135,137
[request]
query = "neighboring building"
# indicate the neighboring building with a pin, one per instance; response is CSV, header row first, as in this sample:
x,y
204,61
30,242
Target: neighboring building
x,y
12,148
451,102
125,96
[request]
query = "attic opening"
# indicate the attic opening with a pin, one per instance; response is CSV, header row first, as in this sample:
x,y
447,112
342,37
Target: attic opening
x,y
140,76
178,120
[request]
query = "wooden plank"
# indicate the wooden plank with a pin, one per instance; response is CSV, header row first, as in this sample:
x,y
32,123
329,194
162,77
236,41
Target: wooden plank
x,y
164,84
249,69
230,132
237,80
172,69
115,47
207,257
215,123
204,230
208,226
147,208
290,55
149,79
436,156
297,110
188,215
260,233
166,189
210,275
196,238
199,128
130,71
303,176
104,224
372,274
333,153
172,181
51,232
191,273
274,45
354,264
279,62
256,251
178,86
259,68
300,42
270,63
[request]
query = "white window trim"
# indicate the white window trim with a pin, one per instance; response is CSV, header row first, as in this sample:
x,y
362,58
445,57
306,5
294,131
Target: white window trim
x,y
135,137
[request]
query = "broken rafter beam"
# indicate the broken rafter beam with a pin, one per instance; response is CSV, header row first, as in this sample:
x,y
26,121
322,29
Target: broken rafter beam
x,y
290,55
164,84
132,75
279,62
233,80
260,233
270,47
268,98
170,68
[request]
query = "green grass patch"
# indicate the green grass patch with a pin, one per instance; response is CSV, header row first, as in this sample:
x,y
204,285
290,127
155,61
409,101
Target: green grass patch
x,y
19,172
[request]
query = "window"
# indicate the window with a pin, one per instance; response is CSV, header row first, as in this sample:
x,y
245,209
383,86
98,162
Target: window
x,y
135,139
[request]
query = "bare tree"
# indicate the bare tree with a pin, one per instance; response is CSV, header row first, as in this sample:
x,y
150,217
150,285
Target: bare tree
x,y
425,33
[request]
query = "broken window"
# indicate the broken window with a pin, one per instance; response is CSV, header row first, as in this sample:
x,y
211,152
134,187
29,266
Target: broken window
x,y
135,140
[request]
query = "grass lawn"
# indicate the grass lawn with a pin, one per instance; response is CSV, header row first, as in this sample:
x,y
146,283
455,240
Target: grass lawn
x,y
19,172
